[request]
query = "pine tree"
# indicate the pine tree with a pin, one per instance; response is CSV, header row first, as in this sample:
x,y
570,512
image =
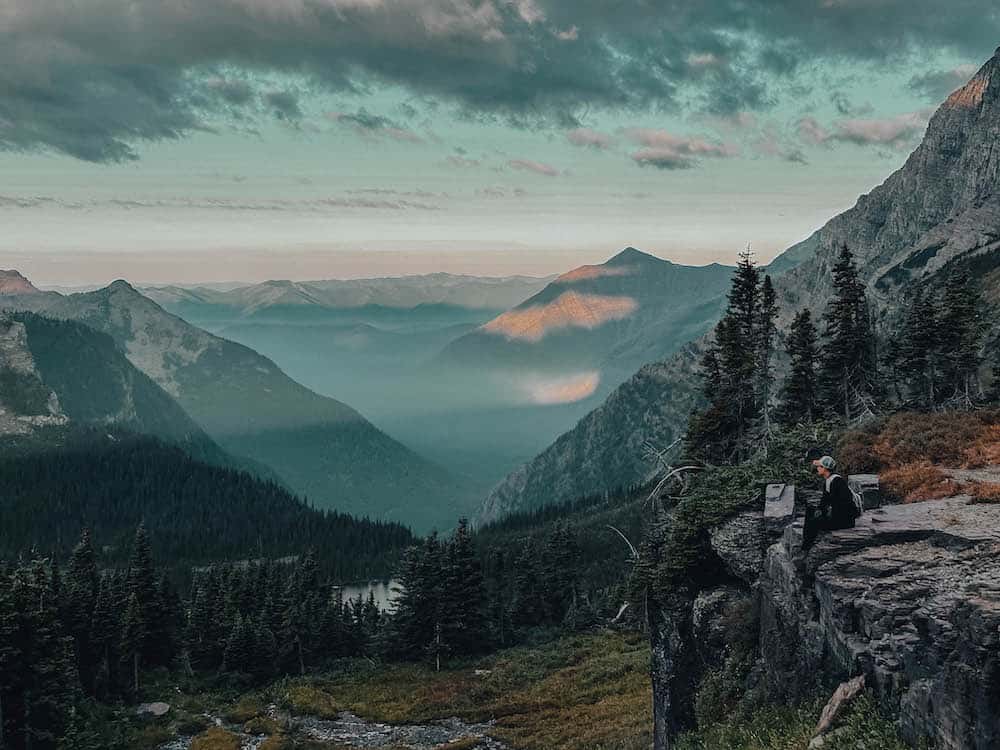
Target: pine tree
x,y
417,617
11,659
240,648
104,634
960,336
729,370
920,355
142,584
81,595
798,403
993,394
133,639
848,368
528,606
766,333
462,613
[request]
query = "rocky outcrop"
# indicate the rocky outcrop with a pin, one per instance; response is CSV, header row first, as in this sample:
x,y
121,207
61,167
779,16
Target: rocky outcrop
x,y
909,599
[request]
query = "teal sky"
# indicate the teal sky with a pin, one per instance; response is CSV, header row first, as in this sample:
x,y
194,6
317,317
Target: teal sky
x,y
293,175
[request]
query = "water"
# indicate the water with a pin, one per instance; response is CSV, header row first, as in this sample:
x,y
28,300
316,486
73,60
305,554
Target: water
x,y
386,593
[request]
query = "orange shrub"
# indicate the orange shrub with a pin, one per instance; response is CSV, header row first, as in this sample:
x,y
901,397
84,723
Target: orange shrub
x,y
916,481
983,492
985,451
856,452
939,438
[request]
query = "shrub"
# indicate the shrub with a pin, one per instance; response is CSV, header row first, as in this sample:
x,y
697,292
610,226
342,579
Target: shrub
x,y
917,481
985,450
216,738
983,492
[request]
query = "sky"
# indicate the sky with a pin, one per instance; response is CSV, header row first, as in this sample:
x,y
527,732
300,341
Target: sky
x,y
240,140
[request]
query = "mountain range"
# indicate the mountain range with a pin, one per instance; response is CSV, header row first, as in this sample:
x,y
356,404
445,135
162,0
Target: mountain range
x,y
592,327
436,297
320,448
940,210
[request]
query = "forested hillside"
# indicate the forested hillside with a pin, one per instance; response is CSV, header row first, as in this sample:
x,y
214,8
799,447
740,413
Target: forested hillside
x,y
196,514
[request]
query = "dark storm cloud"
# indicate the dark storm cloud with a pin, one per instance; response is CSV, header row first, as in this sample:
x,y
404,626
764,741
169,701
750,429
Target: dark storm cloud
x,y
93,79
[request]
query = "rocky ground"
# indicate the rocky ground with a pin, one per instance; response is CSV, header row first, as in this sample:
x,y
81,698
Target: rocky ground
x,y
350,731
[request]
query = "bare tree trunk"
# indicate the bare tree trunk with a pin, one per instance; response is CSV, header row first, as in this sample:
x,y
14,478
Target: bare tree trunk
x,y
135,671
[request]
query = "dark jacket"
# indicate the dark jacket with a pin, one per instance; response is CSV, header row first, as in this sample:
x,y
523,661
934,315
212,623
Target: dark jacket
x,y
839,502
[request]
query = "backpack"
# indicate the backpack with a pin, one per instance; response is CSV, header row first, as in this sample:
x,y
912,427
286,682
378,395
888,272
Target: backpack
x,y
859,502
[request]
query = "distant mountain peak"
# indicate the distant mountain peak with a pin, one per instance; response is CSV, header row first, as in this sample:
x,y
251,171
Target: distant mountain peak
x,y
633,255
12,282
120,285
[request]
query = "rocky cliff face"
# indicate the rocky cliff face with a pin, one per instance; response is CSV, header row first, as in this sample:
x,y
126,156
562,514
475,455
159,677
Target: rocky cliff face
x,y
910,598
941,208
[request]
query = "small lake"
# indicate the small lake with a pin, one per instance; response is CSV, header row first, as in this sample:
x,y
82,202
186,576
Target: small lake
x,y
386,592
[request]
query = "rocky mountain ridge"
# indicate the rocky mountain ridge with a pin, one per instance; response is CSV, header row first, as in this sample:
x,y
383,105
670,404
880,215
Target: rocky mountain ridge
x,y
60,373
321,448
940,209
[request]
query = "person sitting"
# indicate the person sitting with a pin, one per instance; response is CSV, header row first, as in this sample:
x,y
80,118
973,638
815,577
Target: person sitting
x,y
836,510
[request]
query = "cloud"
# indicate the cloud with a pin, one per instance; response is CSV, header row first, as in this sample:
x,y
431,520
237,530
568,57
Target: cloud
x,y
369,125
589,138
538,167
388,200
462,162
95,79
772,144
935,85
899,131
498,192
845,108
665,150
285,105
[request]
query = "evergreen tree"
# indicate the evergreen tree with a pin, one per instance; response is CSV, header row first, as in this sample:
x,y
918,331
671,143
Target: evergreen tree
x,y
81,597
920,354
240,648
960,336
730,369
848,368
104,634
133,639
528,606
463,607
798,402
417,616
766,333
993,394
142,584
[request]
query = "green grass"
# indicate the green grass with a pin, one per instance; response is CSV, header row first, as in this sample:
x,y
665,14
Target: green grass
x,y
775,727
587,692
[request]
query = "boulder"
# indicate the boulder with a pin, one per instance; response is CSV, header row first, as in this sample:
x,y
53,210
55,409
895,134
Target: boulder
x,y
152,709
740,543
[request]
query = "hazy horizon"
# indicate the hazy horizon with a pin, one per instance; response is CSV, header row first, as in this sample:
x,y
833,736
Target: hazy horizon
x,y
96,269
